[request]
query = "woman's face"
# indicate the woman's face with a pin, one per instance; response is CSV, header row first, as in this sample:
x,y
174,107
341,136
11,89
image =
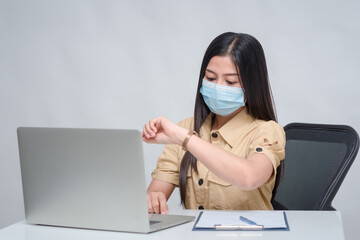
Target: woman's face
x,y
221,70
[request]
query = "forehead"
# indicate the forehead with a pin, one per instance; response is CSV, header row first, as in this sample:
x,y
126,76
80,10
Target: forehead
x,y
221,65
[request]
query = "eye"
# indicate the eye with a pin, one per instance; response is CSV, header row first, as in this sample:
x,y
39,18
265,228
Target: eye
x,y
230,82
210,79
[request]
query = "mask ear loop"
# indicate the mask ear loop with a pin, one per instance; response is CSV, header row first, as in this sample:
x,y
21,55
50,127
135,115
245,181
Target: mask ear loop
x,y
245,101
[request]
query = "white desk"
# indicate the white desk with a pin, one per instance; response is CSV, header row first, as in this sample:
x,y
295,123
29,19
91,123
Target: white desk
x,y
303,225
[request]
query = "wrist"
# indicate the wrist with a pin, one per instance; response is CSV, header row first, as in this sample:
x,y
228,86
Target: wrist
x,y
189,135
181,135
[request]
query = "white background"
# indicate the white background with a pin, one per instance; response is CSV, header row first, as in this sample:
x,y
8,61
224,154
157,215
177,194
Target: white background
x,y
117,64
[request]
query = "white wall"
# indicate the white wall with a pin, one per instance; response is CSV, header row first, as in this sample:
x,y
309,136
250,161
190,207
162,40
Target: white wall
x,y
117,64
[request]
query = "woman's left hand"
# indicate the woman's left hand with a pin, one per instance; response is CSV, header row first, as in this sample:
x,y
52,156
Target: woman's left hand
x,y
162,131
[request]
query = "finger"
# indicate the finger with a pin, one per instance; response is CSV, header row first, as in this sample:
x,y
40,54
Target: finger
x,y
155,204
150,209
153,127
158,125
145,139
149,132
144,133
149,140
163,205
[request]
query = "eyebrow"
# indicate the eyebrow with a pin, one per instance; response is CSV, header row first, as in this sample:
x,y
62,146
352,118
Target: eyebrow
x,y
227,74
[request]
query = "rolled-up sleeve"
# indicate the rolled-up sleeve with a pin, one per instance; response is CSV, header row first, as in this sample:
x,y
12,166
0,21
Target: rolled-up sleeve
x,y
168,165
270,140
167,168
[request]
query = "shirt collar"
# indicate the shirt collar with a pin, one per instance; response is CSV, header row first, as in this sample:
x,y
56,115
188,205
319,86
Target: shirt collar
x,y
235,126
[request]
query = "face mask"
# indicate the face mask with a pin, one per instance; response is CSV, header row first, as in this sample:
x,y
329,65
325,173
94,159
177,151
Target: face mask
x,y
222,100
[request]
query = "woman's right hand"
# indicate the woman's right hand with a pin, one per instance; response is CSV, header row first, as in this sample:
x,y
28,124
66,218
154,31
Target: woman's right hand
x,y
157,203
157,194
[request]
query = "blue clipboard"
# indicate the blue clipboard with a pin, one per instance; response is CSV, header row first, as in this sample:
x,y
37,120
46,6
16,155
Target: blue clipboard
x,y
287,228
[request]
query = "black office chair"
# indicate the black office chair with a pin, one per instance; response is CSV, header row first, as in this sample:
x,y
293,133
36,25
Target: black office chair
x,y
317,159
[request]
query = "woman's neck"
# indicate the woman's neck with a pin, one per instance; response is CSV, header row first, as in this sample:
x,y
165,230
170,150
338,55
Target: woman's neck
x,y
219,121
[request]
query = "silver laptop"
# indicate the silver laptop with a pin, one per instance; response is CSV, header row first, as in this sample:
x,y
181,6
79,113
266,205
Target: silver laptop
x,y
87,178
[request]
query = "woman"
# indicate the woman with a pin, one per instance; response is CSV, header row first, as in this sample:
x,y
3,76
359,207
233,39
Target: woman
x,y
226,156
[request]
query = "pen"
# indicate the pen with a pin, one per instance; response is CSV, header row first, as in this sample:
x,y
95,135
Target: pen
x,y
239,227
246,220
252,226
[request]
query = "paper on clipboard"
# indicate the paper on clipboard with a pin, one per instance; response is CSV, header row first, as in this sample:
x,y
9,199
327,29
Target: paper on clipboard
x,y
269,219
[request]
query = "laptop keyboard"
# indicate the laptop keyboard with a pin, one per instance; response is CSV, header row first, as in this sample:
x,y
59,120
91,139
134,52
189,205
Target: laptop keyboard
x,y
153,222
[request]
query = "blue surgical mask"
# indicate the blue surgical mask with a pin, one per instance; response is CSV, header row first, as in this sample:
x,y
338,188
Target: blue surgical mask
x,y
222,100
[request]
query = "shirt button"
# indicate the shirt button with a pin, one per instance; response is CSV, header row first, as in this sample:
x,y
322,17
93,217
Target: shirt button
x,y
214,135
201,181
258,149
201,207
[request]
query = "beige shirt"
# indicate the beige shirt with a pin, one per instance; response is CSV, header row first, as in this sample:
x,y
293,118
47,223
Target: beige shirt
x,y
242,135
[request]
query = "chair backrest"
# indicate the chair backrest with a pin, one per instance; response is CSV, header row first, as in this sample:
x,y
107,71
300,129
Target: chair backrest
x,y
318,157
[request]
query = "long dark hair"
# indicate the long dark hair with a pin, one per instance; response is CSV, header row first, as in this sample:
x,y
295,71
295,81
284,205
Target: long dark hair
x,y
249,59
